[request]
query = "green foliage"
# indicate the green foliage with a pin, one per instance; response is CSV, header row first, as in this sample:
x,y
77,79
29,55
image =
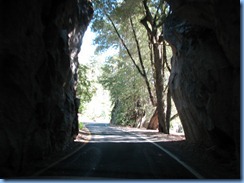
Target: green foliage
x,y
119,11
84,89
127,90
81,125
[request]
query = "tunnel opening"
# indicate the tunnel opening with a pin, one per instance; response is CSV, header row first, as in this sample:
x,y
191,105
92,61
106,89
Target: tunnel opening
x,y
100,107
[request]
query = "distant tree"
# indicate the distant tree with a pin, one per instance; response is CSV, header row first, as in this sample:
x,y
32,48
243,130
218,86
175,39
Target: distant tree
x,y
84,89
125,86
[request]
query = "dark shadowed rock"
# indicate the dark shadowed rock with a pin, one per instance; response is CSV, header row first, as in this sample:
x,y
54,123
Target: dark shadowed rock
x,y
40,41
205,77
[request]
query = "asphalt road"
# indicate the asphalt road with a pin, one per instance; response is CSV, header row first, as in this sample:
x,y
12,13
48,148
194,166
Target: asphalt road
x,y
119,154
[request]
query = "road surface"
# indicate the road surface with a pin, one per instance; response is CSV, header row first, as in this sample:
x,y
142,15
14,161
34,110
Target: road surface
x,y
113,152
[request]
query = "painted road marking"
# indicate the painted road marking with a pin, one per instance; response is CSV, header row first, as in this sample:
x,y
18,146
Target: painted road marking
x,y
190,169
65,157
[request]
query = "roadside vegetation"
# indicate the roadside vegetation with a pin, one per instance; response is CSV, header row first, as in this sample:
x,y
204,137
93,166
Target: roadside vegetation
x,y
81,125
85,87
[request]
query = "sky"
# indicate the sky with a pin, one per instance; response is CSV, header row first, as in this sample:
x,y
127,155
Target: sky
x,y
87,49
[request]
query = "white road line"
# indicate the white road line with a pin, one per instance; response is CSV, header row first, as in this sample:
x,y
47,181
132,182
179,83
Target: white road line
x,y
61,159
190,169
56,162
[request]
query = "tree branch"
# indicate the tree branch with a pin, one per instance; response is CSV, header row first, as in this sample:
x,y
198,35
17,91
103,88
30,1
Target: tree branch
x,y
137,46
144,23
167,65
147,19
141,62
165,57
174,116
156,14
148,13
123,43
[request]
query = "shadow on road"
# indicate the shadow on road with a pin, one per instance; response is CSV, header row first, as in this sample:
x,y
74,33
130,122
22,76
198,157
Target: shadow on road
x,y
103,151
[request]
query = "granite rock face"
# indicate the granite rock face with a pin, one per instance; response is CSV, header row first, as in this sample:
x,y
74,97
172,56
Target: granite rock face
x,y
205,76
40,41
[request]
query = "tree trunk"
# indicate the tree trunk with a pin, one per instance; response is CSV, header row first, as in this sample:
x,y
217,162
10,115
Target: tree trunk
x,y
168,111
151,25
174,116
159,87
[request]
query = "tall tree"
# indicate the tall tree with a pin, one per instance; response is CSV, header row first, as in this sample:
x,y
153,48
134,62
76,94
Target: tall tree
x,y
153,21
